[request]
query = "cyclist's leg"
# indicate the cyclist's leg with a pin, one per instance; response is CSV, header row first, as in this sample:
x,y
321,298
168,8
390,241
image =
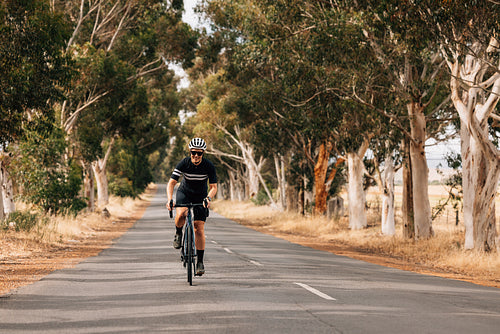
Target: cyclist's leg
x,y
180,217
200,217
181,213
180,220
199,230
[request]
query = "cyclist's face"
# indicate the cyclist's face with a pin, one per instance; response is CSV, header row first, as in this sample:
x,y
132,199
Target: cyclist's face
x,y
196,157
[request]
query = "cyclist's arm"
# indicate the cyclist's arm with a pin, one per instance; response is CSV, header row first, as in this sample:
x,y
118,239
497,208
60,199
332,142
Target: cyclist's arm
x,y
212,191
170,191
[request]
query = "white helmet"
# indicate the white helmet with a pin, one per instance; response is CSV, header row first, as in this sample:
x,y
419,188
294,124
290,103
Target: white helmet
x,y
198,143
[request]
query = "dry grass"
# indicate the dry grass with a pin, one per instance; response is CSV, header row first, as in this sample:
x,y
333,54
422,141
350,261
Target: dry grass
x,y
442,255
56,231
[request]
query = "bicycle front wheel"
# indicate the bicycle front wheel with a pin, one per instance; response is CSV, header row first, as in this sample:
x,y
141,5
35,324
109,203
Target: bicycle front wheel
x,y
190,254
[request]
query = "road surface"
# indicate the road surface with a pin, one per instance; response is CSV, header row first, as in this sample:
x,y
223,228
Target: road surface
x,y
254,283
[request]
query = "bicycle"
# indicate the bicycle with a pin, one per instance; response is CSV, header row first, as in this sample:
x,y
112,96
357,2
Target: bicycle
x,y
188,249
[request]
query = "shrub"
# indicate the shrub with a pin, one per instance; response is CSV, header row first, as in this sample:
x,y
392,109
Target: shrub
x,y
47,179
122,187
24,220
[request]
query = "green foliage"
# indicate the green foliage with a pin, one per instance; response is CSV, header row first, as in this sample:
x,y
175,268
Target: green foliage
x,y
33,69
122,187
46,178
129,170
261,198
23,221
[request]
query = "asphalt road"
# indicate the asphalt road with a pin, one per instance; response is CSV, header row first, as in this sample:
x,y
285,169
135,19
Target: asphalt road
x,y
254,283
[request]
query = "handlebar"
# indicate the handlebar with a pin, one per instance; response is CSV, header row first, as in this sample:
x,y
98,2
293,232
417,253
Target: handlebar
x,y
187,205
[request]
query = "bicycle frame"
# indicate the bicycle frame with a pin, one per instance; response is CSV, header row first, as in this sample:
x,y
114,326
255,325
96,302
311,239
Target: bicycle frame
x,y
188,248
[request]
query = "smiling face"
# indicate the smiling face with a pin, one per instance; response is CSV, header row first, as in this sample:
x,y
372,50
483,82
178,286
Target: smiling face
x,y
196,156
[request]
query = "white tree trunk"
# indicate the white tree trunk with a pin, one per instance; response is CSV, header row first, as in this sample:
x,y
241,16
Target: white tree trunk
x,y
7,198
420,173
248,159
2,211
252,179
99,169
236,191
356,193
467,185
388,221
480,158
279,165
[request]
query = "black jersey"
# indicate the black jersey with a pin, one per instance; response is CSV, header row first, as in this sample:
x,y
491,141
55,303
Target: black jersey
x,y
194,183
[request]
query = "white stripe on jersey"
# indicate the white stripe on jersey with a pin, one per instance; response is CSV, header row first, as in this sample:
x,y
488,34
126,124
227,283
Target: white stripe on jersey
x,y
195,177
177,172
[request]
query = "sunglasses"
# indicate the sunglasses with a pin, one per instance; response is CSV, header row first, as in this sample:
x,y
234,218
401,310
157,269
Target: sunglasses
x,y
197,153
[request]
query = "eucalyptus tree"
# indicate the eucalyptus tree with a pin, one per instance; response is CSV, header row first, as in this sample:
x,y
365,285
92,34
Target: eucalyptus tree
x,y
280,45
118,47
34,73
410,61
467,33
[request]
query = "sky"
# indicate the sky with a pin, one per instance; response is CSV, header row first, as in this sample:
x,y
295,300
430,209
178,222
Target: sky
x,y
189,15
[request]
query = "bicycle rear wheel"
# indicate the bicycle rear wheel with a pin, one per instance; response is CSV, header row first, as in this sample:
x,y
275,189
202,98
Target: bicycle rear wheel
x,y
189,254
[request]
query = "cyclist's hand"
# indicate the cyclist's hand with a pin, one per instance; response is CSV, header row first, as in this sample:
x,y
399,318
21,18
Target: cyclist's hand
x,y
170,205
206,202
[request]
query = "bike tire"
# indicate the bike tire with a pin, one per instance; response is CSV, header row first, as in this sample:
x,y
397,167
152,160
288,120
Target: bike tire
x,y
189,254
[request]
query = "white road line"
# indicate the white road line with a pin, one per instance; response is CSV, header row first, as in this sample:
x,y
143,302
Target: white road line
x,y
228,250
214,242
316,292
255,262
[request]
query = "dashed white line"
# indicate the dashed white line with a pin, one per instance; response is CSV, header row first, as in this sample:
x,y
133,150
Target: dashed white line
x,y
228,250
316,292
255,262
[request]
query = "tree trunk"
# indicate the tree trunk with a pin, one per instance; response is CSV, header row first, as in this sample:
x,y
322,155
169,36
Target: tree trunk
x,y
356,193
302,196
7,190
89,186
407,204
99,169
388,222
480,166
236,191
2,211
320,171
252,179
484,205
248,159
420,172
467,185
279,165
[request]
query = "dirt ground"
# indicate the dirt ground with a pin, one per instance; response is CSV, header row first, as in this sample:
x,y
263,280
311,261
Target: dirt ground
x,y
22,268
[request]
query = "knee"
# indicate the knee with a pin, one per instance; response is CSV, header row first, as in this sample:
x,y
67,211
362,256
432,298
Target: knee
x,y
199,226
181,212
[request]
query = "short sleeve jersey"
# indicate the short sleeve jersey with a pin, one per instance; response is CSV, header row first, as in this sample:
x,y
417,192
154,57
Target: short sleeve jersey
x,y
194,183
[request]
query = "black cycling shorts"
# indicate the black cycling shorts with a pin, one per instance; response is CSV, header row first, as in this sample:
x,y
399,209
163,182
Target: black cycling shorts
x,y
200,213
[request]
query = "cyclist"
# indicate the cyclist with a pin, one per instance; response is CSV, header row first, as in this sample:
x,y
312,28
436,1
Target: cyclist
x,y
197,172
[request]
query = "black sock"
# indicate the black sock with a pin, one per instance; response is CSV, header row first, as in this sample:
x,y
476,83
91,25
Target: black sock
x,y
178,230
200,254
